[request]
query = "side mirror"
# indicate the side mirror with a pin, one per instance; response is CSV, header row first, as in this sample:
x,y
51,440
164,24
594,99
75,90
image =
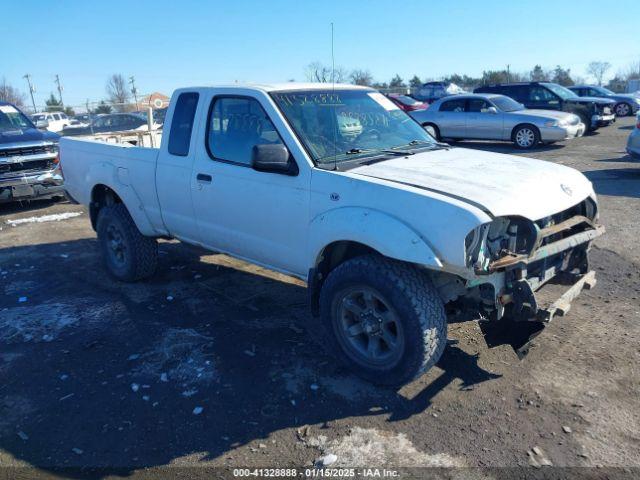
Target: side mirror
x,y
273,158
42,124
493,110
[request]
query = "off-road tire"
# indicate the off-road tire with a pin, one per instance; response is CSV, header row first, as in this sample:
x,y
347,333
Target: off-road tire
x,y
141,257
414,298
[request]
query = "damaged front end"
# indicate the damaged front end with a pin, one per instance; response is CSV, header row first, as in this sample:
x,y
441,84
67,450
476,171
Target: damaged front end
x,y
531,271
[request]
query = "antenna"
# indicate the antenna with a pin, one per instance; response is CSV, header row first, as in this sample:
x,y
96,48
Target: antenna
x,y
333,60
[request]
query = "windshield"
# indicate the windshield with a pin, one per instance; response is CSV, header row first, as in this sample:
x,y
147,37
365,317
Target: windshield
x,y
340,125
562,92
12,119
407,100
603,90
506,104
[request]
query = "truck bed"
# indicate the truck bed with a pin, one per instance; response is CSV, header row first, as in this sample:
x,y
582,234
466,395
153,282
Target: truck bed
x,y
128,170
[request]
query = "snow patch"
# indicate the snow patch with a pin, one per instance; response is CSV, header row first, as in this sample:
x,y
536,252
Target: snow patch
x,y
368,447
56,217
179,357
38,323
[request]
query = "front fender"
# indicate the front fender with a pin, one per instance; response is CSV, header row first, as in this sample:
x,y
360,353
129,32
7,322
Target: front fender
x,y
384,233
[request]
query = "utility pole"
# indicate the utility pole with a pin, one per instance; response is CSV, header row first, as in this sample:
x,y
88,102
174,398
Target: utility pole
x,y
59,90
32,90
132,81
508,73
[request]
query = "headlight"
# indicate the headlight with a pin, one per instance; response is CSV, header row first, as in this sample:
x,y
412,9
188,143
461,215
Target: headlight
x,y
551,123
502,237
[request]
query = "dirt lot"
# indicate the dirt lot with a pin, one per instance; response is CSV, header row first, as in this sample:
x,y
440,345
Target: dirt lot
x,y
218,363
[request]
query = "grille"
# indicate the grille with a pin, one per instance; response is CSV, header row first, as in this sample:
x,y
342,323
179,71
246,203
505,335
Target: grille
x,y
586,208
32,150
26,167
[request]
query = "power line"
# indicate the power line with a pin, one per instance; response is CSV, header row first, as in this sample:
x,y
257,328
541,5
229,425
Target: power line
x,y
132,81
57,80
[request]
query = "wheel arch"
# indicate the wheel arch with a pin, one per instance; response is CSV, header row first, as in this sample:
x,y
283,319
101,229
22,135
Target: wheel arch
x,y
523,124
103,194
362,232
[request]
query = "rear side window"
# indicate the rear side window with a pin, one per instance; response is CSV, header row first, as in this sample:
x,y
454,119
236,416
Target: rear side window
x,y
182,124
453,106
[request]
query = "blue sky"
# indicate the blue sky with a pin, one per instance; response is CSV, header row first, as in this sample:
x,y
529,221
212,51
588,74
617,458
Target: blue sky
x,y
169,44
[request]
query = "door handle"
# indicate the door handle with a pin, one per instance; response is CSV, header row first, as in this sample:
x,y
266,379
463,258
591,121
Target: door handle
x,y
203,177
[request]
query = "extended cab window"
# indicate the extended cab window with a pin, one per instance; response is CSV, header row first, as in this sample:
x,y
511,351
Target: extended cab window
x,y
236,125
182,124
453,106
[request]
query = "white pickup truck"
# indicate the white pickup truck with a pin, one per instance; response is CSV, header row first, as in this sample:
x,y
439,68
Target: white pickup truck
x,y
335,185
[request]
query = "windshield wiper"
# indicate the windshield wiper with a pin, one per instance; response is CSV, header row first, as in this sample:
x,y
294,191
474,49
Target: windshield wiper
x,y
423,144
355,151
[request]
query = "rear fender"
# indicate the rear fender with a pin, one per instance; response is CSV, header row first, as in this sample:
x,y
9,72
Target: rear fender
x,y
117,180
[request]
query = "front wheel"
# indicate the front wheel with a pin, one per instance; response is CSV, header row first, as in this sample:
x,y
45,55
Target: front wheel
x,y
623,109
526,137
383,319
127,254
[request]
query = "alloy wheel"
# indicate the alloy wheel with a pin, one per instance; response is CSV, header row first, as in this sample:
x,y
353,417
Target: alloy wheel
x,y
368,328
622,110
525,137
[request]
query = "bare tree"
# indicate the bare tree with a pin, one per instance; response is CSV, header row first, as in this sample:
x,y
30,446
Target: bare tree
x,y
361,77
117,91
317,72
598,70
11,94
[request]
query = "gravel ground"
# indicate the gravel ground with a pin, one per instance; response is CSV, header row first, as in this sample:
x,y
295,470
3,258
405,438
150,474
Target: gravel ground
x,y
216,363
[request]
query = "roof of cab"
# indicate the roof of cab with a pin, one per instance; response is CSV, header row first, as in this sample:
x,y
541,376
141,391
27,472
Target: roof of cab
x,y
287,86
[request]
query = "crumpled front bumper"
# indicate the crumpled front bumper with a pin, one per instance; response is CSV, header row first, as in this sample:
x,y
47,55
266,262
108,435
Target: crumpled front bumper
x,y
542,286
31,185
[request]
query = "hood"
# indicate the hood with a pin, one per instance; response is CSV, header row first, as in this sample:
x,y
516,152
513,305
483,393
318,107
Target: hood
x,y
555,114
625,96
598,100
27,135
498,184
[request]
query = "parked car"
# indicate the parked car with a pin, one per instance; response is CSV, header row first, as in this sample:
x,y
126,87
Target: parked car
x,y
28,158
594,112
384,224
407,103
496,117
626,103
432,91
633,144
83,118
55,121
112,122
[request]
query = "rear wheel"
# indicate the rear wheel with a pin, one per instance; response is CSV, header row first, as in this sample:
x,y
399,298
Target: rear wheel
x,y
127,254
622,109
384,320
526,136
432,130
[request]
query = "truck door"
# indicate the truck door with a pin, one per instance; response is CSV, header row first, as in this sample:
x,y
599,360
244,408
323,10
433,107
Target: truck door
x,y
260,216
174,169
543,98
